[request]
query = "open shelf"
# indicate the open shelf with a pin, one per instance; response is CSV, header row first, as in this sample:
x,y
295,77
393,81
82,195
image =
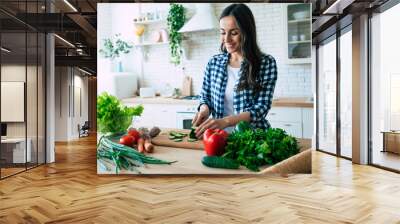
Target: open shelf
x,y
150,44
300,42
149,22
299,21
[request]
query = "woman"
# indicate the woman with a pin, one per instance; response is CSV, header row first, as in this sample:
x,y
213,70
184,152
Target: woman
x,y
239,83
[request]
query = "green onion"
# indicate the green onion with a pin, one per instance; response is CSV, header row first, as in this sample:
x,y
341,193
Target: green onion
x,y
123,156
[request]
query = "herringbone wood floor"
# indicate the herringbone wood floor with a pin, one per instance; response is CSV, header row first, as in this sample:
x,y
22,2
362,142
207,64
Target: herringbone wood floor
x,y
70,191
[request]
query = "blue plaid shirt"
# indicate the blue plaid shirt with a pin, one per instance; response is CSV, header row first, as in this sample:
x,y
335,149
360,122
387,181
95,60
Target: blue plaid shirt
x,y
214,85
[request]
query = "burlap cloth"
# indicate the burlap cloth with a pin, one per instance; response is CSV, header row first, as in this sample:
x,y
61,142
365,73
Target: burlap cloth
x,y
300,163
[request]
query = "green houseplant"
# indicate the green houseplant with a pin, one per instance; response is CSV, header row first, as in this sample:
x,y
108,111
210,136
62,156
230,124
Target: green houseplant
x,y
113,48
176,19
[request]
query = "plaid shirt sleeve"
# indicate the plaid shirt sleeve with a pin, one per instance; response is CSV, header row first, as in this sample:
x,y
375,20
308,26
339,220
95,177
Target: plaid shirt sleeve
x,y
205,94
262,104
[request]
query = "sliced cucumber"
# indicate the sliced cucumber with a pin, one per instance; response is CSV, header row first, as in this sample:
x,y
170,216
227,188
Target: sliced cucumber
x,y
177,134
174,137
191,139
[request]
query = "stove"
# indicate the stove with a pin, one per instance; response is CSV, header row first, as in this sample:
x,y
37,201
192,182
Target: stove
x,y
196,97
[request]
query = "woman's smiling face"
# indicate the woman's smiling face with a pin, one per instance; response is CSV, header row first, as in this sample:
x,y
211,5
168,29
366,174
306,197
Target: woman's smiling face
x,y
230,34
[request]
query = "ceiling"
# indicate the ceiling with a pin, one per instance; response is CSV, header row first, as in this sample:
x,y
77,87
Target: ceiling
x,y
332,15
76,24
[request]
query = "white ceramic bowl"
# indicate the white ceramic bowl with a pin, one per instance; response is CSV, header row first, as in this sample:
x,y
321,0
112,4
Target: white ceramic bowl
x,y
295,38
300,15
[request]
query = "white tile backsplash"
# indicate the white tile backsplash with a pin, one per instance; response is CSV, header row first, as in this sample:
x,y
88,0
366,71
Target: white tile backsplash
x,y
293,79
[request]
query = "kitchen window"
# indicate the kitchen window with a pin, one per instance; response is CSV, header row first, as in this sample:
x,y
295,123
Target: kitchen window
x,y
346,92
378,77
327,96
385,89
334,86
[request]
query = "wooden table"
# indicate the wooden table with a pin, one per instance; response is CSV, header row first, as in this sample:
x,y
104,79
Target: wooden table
x,y
14,152
189,162
391,141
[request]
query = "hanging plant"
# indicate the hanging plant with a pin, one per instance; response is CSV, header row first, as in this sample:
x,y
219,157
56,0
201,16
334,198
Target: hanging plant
x,y
176,19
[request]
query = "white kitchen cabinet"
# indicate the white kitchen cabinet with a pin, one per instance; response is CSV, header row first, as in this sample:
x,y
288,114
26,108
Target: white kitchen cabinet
x,y
292,128
286,114
308,122
161,115
296,121
297,26
166,117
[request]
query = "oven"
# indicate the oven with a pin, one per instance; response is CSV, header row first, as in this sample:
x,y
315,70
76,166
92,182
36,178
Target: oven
x,y
184,118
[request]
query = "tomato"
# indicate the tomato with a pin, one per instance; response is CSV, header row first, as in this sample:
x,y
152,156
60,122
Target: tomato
x,y
127,140
134,133
214,141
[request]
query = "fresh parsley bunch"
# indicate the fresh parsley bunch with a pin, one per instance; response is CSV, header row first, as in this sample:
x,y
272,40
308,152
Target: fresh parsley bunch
x,y
253,148
113,117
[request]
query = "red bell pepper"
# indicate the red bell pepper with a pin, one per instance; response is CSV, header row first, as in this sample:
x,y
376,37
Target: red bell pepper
x,y
214,141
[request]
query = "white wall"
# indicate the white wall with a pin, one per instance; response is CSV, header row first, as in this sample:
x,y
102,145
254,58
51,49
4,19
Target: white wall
x,y
61,103
67,120
80,82
293,80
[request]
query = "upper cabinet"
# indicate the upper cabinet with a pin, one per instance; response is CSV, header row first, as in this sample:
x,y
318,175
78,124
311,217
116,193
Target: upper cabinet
x,y
298,33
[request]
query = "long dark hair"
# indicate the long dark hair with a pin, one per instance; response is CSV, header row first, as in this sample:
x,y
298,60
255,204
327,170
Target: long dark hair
x,y
248,44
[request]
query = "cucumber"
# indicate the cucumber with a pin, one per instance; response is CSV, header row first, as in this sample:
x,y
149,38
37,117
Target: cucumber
x,y
192,133
177,140
191,139
220,162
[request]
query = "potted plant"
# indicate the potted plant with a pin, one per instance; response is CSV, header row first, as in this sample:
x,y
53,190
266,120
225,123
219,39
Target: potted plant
x,y
116,82
113,48
176,19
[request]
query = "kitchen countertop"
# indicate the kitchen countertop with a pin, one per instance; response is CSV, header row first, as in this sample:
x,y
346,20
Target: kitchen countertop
x,y
158,100
279,102
293,102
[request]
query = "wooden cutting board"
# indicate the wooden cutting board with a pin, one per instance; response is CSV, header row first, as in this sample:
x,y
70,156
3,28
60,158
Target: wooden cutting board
x,y
163,140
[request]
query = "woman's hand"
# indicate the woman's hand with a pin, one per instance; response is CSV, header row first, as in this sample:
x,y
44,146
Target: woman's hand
x,y
201,116
211,124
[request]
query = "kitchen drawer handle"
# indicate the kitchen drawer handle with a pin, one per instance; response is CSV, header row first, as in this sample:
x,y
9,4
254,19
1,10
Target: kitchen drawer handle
x,y
287,125
272,114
